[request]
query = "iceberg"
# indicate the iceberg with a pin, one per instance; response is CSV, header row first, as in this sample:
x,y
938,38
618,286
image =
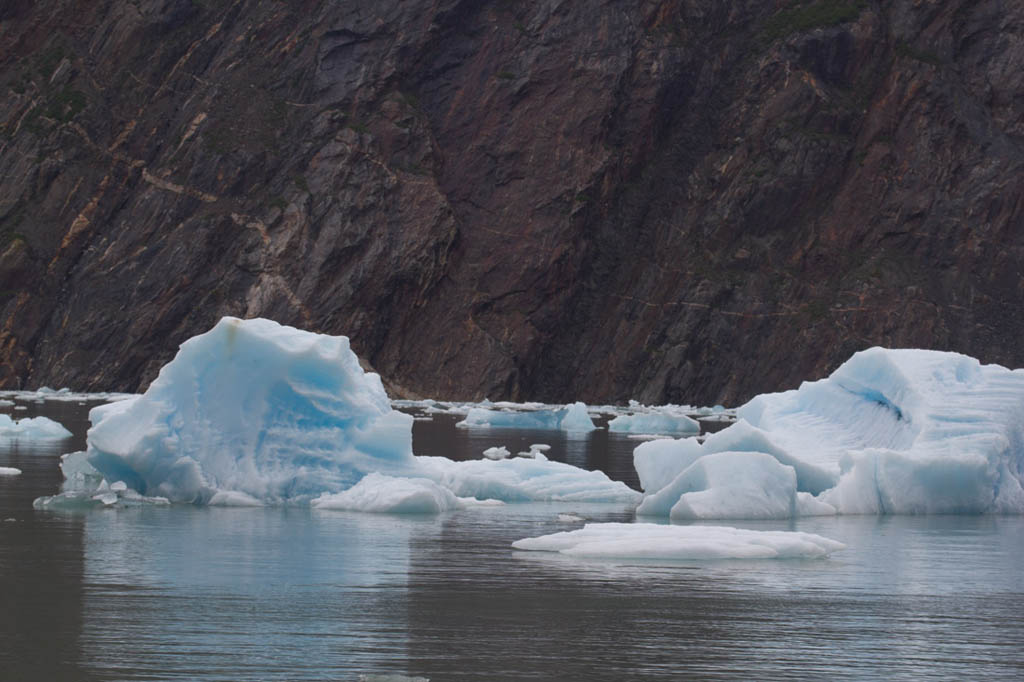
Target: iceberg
x,y
32,428
889,432
257,408
653,422
661,542
732,485
255,413
571,418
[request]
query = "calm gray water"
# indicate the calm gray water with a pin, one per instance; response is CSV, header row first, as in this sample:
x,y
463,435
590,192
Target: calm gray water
x,y
289,594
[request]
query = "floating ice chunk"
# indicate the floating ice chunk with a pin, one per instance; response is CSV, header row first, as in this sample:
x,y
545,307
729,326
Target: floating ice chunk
x,y
85,488
572,418
6,403
727,485
570,518
526,480
659,462
656,541
253,407
889,432
233,498
107,499
497,453
536,451
386,494
653,422
906,432
20,408
63,395
9,471
31,428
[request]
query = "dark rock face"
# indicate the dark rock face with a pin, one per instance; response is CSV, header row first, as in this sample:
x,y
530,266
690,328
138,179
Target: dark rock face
x,y
673,200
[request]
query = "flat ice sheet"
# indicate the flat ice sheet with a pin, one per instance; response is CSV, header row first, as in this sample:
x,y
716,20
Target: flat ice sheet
x,y
657,541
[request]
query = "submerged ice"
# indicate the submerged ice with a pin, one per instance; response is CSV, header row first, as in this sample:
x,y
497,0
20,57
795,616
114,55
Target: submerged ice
x,y
253,412
889,432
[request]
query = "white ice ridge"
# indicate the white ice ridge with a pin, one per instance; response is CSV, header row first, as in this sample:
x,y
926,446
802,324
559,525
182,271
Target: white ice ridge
x,y
46,394
889,432
31,428
572,418
663,542
9,471
253,412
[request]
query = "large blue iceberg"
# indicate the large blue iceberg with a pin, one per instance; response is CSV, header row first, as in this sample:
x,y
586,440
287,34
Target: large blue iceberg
x,y
889,432
253,412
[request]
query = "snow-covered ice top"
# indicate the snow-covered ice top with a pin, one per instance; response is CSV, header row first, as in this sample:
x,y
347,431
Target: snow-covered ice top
x,y
572,418
32,428
661,542
253,412
890,431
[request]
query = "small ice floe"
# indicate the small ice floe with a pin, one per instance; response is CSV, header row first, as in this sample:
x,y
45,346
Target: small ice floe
x,y
9,471
654,422
497,453
31,428
536,451
570,518
6,403
571,418
661,542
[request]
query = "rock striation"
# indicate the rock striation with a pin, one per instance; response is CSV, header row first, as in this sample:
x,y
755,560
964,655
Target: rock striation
x,y
668,200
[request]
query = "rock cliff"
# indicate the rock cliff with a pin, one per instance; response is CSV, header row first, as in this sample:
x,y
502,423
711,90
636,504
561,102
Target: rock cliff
x,y
669,200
